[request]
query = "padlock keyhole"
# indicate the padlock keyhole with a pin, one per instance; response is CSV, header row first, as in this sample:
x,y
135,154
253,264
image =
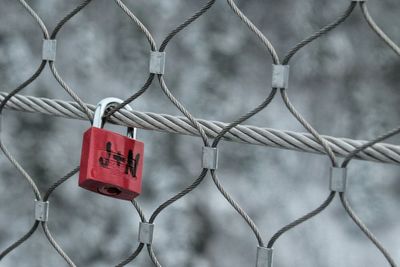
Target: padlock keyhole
x,y
109,191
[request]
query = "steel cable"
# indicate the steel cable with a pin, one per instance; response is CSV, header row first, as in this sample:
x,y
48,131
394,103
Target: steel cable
x,y
321,140
170,96
291,108
141,245
137,21
20,241
153,47
189,116
353,154
319,33
5,150
365,230
396,49
346,205
378,30
241,119
248,134
11,158
44,224
254,29
59,182
311,142
214,176
182,26
299,221
55,245
63,84
365,146
36,17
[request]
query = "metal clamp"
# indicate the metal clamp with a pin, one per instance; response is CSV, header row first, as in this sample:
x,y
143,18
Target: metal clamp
x,y
146,233
41,211
265,257
280,76
157,62
338,179
49,50
209,159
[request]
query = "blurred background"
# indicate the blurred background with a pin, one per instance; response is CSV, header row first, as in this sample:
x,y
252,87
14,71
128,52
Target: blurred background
x,y
345,84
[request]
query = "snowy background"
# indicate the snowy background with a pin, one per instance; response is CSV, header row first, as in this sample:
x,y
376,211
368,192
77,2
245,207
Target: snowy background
x,y
345,84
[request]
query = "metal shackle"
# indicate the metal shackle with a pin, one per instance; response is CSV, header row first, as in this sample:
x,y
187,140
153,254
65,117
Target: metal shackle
x,y
102,106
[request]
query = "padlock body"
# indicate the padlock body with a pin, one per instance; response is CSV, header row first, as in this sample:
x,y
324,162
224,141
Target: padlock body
x,y
111,164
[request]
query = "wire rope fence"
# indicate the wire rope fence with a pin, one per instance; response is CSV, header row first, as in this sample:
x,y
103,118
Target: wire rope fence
x,y
340,151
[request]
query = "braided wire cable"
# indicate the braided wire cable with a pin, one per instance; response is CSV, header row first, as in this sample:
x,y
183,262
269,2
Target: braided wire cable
x,y
365,230
186,23
203,135
214,176
153,256
55,245
248,134
21,170
73,95
60,182
36,224
396,49
63,84
243,118
150,250
186,113
10,157
69,16
8,154
47,232
137,21
153,47
367,145
319,33
139,210
36,17
284,94
291,108
35,75
299,221
321,140
141,245
20,241
310,142
179,195
77,99
132,256
181,108
147,84
44,224
93,107
142,90
254,29
239,209
377,29
309,128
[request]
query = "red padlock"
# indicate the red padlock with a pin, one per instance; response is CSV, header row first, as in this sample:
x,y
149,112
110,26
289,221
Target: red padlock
x,y
111,164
